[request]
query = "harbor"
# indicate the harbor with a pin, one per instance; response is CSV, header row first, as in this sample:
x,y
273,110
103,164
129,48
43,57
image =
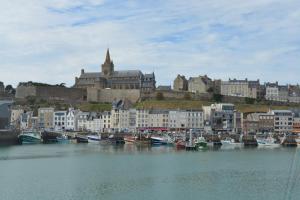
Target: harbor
x,y
89,171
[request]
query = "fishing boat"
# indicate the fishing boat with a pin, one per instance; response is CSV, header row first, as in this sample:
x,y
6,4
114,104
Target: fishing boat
x,y
94,139
155,140
30,137
129,139
201,142
81,139
63,139
231,142
180,144
268,142
50,136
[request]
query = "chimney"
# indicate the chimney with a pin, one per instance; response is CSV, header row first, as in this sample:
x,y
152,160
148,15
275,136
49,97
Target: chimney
x,y
82,71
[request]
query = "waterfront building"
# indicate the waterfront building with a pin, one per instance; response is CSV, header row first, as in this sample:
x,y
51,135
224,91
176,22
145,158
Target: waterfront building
x,y
59,120
45,118
71,119
93,122
266,122
240,88
200,84
142,118
82,121
15,117
158,120
223,117
186,119
283,121
106,121
26,120
251,123
180,83
109,78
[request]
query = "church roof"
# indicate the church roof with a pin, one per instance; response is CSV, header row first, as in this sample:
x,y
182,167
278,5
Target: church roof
x,y
91,75
127,73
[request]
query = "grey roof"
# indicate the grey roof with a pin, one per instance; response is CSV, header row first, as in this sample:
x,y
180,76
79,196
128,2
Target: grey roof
x,y
91,75
116,74
149,75
127,73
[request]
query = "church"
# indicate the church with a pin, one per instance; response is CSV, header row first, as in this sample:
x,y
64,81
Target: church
x,y
109,78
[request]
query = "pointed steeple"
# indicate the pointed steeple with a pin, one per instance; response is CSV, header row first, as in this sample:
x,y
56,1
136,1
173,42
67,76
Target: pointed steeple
x,y
107,58
108,65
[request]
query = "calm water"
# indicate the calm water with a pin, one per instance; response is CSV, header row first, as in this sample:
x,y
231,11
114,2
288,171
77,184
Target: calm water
x,y
88,171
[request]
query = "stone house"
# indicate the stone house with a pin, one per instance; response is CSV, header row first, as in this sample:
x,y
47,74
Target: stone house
x,y
200,84
180,83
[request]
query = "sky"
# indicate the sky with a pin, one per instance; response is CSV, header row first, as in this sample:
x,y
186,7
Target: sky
x,y
50,41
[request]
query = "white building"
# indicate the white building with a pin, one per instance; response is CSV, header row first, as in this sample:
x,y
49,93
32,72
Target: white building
x,y
59,120
26,120
71,119
81,121
180,119
142,118
275,92
158,119
283,121
240,88
106,121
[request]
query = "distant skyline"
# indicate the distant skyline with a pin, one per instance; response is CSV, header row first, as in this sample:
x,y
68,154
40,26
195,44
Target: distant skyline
x,y
50,41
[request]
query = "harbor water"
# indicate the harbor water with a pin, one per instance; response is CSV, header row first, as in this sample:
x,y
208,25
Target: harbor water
x,y
89,171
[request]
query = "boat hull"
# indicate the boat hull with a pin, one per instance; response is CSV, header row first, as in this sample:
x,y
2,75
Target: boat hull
x,y
26,139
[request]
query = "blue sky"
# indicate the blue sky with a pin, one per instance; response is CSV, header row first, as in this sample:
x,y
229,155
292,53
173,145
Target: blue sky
x,y
52,40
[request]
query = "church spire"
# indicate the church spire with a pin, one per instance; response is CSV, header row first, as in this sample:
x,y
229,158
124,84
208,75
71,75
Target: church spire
x,y
107,58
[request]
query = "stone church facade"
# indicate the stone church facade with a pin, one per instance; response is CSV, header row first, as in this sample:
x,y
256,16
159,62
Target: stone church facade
x,y
109,78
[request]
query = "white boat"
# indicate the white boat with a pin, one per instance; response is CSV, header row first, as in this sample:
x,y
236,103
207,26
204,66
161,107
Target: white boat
x,y
268,142
30,137
94,139
229,142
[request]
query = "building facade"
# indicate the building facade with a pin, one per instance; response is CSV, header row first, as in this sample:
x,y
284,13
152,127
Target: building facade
x,y
240,88
45,118
184,120
60,120
200,84
283,121
180,83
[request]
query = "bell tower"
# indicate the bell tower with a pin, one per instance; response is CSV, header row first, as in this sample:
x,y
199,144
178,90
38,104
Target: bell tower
x,y
108,65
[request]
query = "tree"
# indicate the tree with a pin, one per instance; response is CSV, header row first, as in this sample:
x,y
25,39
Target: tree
x,y
159,96
10,90
217,97
249,100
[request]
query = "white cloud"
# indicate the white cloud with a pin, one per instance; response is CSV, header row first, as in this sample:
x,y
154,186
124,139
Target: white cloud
x,y
50,41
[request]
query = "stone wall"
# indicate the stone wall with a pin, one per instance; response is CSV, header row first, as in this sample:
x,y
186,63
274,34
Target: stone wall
x,y
109,95
52,93
176,95
24,91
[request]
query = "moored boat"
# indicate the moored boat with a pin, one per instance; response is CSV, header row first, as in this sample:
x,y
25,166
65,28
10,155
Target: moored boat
x,y
81,139
94,139
201,143
231,142
30,137
155,140
268,142
129,139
